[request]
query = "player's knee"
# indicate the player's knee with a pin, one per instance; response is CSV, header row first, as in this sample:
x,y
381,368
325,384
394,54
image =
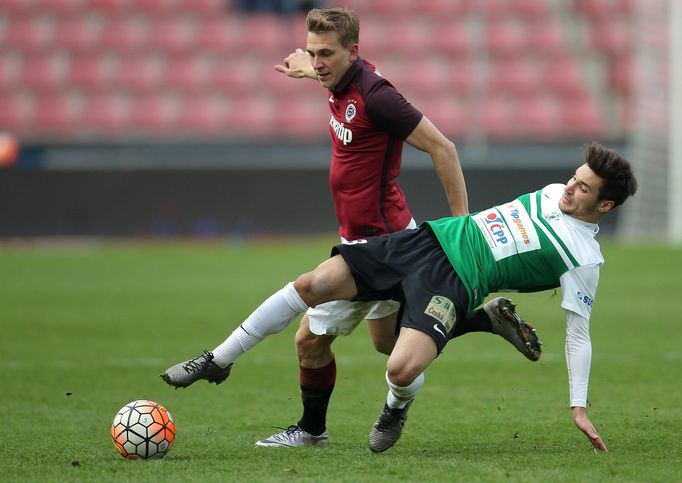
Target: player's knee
x,y
402,374
309,345
313,287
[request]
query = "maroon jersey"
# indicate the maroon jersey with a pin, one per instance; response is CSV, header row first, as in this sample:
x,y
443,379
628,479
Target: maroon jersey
x,y
369,122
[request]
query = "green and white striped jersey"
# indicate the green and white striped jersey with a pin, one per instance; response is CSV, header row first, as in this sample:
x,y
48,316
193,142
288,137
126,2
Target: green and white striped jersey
x,y
526,245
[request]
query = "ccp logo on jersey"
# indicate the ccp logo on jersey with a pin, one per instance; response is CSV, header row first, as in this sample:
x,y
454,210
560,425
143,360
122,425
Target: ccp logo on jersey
x,y
496,227
586,299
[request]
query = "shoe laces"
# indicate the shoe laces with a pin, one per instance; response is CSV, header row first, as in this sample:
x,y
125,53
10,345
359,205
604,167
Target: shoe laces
x,y
388,419
293,429
193,365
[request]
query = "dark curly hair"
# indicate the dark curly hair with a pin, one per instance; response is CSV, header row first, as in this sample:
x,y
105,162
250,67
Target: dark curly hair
x,y
619,181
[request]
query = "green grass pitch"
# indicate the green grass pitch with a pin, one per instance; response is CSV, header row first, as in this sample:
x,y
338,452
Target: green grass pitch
x,y
87,328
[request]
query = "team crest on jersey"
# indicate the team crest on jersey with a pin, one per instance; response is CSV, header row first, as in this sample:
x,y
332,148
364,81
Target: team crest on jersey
x,y
351,111
443,310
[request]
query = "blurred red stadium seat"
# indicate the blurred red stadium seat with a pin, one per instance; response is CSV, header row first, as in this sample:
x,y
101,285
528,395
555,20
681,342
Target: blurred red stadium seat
x,y
546,37
62,8
424,74
448,112
582,116
452,38
14,7
154,6
234,75
122,34
503,38
139,72
105,113
408,36
9,75
202,114
250,116
620,74
391,8
186,73
537,115
13,113
301,118
152,113
443,9
563,76
612,37
603,9
108,6
262,34
26,33
171,34
42,72
218,34
460,75
54,114
528,9
77,34
497,116
204,8
515,76
90,72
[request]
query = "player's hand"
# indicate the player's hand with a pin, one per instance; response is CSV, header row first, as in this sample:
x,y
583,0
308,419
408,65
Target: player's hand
x,y
585,425
297,65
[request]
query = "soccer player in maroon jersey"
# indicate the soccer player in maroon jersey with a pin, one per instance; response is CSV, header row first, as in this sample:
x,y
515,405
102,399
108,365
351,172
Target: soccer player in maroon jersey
x,y
369,122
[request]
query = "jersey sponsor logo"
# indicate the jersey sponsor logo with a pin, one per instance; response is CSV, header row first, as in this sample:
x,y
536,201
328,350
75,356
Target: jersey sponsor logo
x,y
496,232
359,241
508,230
351,111
344,134
522,228
443,310
585,299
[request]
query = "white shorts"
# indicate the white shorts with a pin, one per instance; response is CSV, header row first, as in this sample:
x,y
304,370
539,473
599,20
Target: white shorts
x,y
341,317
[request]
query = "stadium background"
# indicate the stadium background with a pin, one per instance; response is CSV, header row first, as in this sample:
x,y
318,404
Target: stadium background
x,y
162,118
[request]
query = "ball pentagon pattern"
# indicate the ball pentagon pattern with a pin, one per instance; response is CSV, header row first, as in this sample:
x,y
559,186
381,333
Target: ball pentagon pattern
x,y
143,429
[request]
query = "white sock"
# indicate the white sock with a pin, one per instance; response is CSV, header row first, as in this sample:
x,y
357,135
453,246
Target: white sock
x,y
272,316
399,396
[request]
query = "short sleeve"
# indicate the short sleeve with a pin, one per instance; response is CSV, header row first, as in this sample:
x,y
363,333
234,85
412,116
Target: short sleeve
x,y
389,111
579,287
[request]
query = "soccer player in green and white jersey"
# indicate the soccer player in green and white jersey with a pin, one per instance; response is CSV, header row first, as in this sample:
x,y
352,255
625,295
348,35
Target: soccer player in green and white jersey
x,y
443,270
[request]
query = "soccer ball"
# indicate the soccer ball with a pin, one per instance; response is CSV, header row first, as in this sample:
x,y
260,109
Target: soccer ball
x,y
143,429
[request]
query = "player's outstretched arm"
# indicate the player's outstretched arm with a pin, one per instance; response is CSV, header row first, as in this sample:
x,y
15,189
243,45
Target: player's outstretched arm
x,y
297,65
426,137
585,425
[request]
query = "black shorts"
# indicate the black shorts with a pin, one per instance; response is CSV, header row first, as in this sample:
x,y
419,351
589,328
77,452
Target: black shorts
x,y
409,266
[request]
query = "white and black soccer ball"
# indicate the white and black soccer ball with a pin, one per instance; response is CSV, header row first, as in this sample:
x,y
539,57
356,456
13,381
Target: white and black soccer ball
x,y
143,429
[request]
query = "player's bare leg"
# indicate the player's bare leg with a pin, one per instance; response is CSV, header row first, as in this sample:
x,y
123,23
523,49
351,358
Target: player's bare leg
x,y
382,333
412,354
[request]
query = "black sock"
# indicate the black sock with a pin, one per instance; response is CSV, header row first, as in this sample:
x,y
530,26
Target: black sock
x,y
317,386
315,402
478,321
